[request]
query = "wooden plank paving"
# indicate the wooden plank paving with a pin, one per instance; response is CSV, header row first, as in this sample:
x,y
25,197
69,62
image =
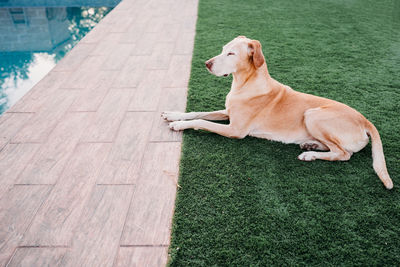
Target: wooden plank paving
x,y
88,169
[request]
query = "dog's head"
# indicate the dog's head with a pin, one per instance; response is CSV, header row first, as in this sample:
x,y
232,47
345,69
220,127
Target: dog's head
x,y
240,54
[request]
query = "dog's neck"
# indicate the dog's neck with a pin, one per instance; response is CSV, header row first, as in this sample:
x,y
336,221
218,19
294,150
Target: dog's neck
x,y
244,76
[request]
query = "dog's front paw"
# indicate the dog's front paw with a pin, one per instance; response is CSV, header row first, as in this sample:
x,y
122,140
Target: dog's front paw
x,y
172,116
307,156
177,125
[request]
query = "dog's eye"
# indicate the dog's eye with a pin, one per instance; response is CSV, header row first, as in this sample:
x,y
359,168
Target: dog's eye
x,y
231,54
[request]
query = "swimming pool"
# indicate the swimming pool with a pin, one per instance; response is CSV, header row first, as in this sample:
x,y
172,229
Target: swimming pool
x,y
35,35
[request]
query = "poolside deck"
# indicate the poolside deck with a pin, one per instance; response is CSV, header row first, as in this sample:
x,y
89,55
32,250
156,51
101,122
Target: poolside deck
x,y
88,169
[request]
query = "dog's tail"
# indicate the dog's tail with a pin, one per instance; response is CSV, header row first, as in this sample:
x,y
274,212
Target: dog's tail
x,y
378,157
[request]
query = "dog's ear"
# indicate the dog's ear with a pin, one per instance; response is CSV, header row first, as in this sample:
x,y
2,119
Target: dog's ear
x,y
256,53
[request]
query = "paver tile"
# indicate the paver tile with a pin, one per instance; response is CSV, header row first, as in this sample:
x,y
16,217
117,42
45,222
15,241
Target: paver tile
x,y
160,57
156,25
60,213
122,21
85,74
188,25
149,91
13,159
74,58
43,122
142,256
174,99
10,123
107,45
18,207
132,72
117,58
124,161
97,236
4,188
90,98
178,71
150,214
108,117
170,32
38,96
46,165
184,44
97,34
190,10
31,256
145,44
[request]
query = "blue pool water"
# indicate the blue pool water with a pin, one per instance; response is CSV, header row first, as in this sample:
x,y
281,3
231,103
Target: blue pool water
x,y
34,39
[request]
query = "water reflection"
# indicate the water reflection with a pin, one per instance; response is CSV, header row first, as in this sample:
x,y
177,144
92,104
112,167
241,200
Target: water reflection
x,y
33,40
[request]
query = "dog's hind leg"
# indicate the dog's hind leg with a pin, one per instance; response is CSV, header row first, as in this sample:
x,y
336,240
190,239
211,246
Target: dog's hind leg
x,y
218,115
336,151
337,130
332,155
313,145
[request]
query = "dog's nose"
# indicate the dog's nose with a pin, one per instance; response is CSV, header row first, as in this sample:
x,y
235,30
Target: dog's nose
x,y
209,64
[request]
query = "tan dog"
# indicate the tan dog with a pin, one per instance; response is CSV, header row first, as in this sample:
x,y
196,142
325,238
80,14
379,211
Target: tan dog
x,y
257,105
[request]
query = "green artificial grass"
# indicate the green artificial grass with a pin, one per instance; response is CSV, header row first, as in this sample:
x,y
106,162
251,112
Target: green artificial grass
x,y
250,202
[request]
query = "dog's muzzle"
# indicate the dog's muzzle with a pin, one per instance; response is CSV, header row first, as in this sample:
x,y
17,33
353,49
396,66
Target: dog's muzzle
x,y
209,64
